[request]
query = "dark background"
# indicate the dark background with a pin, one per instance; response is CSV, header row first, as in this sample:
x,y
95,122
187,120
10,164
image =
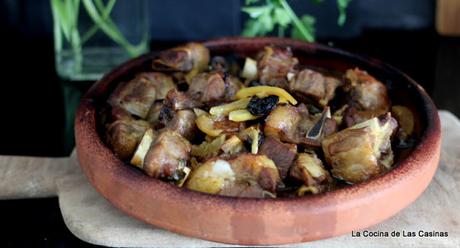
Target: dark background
x,y
37,107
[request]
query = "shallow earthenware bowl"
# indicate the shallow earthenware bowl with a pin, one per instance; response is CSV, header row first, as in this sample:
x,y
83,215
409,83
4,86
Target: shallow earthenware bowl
x,y
262,221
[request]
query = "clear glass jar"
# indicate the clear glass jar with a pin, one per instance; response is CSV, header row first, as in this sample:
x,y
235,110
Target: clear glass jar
x,y
93,36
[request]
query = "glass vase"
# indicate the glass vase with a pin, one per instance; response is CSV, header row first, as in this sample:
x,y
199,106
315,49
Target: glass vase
x,y
93,36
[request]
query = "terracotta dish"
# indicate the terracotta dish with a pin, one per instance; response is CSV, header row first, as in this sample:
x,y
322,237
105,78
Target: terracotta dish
x,y
251,221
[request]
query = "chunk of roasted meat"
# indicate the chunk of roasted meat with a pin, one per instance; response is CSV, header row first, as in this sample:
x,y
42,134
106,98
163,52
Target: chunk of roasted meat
x,y
361,151
167,156
274,65
219,64
369,97
163,83
135,96
281,153
191,59
246,175
183,122
315,85
184,58
213,87
138,95
118,113
124,135
153,116
177,100
290,124
309,169
330,127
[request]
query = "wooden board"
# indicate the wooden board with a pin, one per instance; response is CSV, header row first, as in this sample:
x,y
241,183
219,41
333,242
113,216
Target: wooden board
x,y
448,17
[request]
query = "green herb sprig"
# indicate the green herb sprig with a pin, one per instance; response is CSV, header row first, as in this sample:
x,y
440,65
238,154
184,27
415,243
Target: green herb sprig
x,y
264,18
65,16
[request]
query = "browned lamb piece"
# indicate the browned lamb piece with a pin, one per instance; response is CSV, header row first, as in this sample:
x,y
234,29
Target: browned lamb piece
x,y
212,87
273,66
186,61
232,86
183,58
183,123
163,83
362,151
313,84
118,113
281,153
330,127
138,95
177,100
154,114
290,124
369,97
243,175
124,135
167,156
309,169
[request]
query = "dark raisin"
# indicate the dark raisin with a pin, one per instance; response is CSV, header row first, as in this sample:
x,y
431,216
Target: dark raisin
x,y
313,109
225,75
254,83
218,63
261,139
247,144
262,106
182,86
166,114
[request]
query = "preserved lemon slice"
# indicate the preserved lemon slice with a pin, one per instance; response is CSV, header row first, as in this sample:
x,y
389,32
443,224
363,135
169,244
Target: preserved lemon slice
x,y
206,124
241,115
264,91
143,148
208,149
229,107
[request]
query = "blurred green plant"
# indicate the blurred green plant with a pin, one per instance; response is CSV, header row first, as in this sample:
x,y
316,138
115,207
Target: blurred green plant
x,y
265,17
65,16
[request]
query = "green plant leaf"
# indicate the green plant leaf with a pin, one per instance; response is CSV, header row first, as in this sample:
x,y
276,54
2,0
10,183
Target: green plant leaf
x,y
342,7
60,13
57,30
70,13
65,17
76,9
266,20
107,27
276,3
308,22
281,17
99,5
72,7
111,30
105,15
253,28
249,2
255,12
298,25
